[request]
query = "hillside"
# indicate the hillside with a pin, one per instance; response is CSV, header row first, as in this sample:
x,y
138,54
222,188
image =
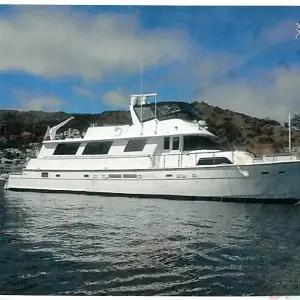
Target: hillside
x,y
260,136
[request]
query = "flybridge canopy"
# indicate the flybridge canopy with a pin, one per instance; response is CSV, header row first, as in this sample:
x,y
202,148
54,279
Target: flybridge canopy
x,y
166,110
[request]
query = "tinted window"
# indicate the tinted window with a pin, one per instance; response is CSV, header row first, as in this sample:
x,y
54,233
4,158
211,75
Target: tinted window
x,y
175,143
167,110
196,142
97,148
213,161
44,174
167,143
135,145
66,149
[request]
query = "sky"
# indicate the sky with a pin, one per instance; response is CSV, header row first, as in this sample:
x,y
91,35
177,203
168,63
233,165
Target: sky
x,y
88,59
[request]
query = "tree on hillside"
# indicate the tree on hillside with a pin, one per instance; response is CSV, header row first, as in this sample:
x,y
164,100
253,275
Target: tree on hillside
x,y
295,122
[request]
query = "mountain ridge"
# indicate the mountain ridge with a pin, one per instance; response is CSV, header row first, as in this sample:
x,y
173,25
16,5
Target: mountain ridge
x,y
234,129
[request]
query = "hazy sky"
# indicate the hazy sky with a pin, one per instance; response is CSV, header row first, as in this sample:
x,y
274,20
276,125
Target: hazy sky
x,y
88,58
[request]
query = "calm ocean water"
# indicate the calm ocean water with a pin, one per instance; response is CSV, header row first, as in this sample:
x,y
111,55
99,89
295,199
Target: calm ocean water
x,y
89,245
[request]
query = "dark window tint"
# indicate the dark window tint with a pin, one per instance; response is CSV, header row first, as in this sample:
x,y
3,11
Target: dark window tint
x,y
135,145
129,175
97,148
167,110
167,143
44,174
115,175
196,142
213,161
66,149
175,143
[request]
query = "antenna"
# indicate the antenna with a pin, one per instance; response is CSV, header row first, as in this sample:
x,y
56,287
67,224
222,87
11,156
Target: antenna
x,y
141,89
142,69
290,140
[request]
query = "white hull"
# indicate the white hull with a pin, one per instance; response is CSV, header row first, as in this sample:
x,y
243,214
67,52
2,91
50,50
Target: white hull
x,y
257,181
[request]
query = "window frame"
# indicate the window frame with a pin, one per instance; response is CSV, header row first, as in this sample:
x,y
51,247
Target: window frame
x,y
225,160
128,147
91,144
167,138
177,138
209,147
59,145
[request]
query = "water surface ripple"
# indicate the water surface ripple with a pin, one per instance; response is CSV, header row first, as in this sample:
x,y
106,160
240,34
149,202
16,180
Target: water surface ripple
x,y
53,244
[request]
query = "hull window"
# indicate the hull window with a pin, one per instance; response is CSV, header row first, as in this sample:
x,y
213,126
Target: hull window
x,y
213,161
44,174
129,175
135,145
197,142
66,149
97,148
114,176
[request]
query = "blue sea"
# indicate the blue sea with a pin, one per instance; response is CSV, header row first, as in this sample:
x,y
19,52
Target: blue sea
x,y
58,244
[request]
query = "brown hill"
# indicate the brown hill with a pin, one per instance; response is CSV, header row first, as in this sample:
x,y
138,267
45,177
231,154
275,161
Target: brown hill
x,y
260,136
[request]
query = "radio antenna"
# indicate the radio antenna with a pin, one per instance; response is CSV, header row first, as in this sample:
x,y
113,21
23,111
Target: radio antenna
x,y
142,69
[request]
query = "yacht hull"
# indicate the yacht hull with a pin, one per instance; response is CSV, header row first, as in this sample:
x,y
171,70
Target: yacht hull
x,y
266,182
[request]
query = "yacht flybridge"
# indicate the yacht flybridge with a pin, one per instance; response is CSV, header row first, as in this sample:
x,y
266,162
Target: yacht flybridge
x,y
167,152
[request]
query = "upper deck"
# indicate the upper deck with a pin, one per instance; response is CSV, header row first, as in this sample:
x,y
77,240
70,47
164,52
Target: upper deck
x,y
155,119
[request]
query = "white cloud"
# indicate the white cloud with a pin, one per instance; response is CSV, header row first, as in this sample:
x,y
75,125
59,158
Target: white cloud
x,y
281,32
266,93
116,99
276,94
52,43
43,103
35,101
83,92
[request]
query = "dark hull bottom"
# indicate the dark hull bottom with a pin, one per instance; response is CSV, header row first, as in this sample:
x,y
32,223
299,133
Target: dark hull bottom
x,y
169,197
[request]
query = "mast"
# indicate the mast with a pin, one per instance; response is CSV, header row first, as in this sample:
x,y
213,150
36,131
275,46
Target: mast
x,y
141,90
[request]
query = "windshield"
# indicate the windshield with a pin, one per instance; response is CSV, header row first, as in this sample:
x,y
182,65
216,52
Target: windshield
x,y
167,110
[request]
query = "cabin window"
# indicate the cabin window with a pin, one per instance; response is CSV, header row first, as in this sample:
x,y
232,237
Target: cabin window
x,y
213,161
197,142
97,148
44,174
167,143
176,143
135,145
66,149
57,175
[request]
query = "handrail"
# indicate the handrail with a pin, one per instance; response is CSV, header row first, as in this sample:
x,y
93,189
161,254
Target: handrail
x,y
164,160
103,156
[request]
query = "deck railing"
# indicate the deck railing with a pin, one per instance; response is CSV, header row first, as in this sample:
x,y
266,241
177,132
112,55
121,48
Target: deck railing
x,y
177,159
161,160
